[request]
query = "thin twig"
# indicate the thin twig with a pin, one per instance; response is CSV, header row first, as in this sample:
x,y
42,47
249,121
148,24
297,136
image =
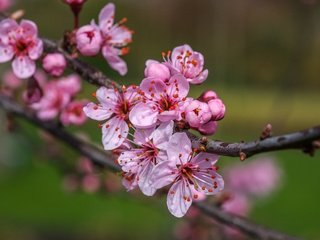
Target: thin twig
x,y
105,159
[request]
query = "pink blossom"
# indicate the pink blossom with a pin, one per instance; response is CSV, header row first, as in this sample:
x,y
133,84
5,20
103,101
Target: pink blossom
x,y
187,62
157,70
57,95
85,165
257,178
217,109
197,113
113,106
5,4
161,101
89,39
54,64
116,37
237,204
73,113
151,145
185,171
33,93
20,43
91,183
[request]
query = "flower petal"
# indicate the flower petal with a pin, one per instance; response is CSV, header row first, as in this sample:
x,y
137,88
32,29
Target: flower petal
x,y
143,135
120,36
36,51
179,198
7,26
108,97
152,87
115,62
178,87
6,53
114,132
205,160
162,134
143,115
210,182
179,148
163,174
97,112
23,67
106,17
144,180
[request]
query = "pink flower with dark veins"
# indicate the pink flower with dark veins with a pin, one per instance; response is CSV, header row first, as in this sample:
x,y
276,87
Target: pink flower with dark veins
x,y
20,43
115,38
161,101
114,106
186,171
187,62
73,113
151,145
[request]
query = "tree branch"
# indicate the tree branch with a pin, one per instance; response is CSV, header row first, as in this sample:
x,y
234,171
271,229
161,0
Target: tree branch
x,y
298,140
106,160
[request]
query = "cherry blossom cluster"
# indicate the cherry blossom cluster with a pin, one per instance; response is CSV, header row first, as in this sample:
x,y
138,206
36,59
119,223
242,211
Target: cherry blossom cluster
x,y
246,183
108,37
139,124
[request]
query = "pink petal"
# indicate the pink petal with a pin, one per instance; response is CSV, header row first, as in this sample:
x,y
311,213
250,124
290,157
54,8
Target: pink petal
x,y
144,180
142,136
108,97
23,67
129,161
114,132
162,156
163,174
179,82
120,36
6,53
29,28
180,50
6,26
106,17
131,94
129,181
97,112
200,78
179,198
179,148
152,86
115,62
210,183
162,134
143,115
167,116
70,84
36,51
205,160
48,114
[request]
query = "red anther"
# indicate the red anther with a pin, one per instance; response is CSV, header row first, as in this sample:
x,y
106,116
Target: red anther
x,y
95,107
125,50
210,190
203,187
195,196
172,192
163,54
169,53
150,89
107,125
117,129
175,95
100,125
119,136
94,94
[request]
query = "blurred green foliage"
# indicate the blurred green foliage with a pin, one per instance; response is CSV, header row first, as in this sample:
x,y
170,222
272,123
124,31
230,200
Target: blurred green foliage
x,y
263,58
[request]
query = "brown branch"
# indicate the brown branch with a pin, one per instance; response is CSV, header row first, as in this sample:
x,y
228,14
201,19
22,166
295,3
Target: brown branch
x,y
105,159
298,140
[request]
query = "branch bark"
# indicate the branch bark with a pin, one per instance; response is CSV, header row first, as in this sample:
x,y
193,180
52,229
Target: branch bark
x,y
106,160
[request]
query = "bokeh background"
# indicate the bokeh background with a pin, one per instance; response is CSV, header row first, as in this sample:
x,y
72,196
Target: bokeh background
x,y
264,62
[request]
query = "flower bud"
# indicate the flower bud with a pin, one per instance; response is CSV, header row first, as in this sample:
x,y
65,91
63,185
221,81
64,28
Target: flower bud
x,y
157,70
54,64
197,113
208,95
217,109
89,40
208,128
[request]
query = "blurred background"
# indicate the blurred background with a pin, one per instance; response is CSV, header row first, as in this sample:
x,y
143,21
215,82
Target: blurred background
x,y
264,62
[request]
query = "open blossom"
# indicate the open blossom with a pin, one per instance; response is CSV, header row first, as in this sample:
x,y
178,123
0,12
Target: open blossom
x,y
113,106
56,96
54,64
161,101
185,171
151,145
187,62
73,114
20,43
109,37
